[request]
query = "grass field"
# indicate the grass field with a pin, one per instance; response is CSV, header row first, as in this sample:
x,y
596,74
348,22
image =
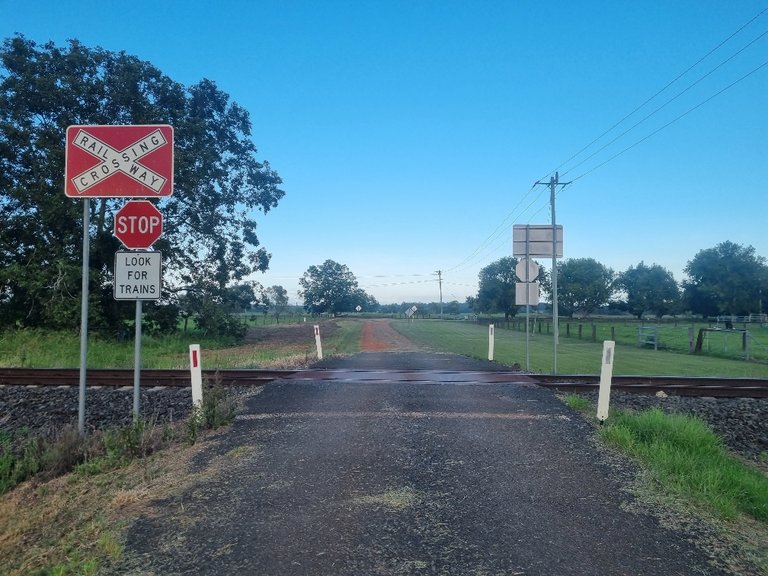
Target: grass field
x,y
270,346
292,344
575,356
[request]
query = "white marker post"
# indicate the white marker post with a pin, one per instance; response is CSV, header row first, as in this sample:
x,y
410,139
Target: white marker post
x,y
606,373
318,343
490,342
196,371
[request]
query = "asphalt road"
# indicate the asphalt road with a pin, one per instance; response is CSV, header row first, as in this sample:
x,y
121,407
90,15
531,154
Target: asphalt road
x,y
352,478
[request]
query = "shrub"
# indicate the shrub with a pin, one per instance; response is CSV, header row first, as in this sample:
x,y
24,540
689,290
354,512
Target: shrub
x,y
216,410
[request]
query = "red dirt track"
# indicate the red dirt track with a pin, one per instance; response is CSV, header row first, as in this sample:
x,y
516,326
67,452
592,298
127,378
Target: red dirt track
x,y
379,336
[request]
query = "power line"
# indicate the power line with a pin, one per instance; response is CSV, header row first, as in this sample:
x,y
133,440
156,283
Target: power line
x,y
665,104
486,247
668,124
496,232
659,92
480,251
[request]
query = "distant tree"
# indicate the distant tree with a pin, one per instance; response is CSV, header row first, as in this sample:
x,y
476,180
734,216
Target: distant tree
x,y
390,308
366,302
649,289
583,285
726,279
210,230
240,298
330,288
277,299
497,287
451,307
214,309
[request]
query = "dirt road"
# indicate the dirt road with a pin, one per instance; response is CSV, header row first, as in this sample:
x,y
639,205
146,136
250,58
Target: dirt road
x,y
379,336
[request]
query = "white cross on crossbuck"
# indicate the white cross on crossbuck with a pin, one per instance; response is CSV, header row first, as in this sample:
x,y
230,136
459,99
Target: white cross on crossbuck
x,y
114,161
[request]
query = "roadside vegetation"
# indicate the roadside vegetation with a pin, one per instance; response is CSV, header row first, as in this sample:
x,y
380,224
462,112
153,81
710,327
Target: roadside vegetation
x,y
264,347
687,467
65,499
66,513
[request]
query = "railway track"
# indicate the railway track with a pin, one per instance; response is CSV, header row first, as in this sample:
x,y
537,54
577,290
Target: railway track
x,y
118,378
682,386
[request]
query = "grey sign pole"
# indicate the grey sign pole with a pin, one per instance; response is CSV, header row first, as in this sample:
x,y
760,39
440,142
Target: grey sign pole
x,y
555,318
84,315
527,299
137,364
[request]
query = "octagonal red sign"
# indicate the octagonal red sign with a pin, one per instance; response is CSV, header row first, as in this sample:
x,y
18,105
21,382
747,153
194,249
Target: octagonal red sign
x,y
138,224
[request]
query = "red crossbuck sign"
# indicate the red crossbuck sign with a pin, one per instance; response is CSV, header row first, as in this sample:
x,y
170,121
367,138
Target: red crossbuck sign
x,y
119,161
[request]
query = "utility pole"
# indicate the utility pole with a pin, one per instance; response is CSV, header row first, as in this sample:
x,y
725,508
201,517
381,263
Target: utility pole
x,y
440,282
553,183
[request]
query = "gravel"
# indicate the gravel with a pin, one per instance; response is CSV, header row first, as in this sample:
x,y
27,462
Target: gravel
x,y
46,410
741,422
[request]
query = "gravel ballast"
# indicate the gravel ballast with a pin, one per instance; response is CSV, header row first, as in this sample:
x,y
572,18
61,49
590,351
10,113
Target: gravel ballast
x,y
742,423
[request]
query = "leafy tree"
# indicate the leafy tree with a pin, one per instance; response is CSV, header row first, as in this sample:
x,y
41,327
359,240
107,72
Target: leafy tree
x,y
366,302
583,285
331,288
209,235
240,298
277,299
497,287
471,303
213,308
390,308
451,307
726,279
161,318
649,289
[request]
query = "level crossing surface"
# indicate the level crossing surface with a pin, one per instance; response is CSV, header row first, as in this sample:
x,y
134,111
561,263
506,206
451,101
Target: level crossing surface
x,y
356,477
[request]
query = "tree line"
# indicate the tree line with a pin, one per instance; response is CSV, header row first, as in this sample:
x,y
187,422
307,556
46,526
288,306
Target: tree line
x,y
728,279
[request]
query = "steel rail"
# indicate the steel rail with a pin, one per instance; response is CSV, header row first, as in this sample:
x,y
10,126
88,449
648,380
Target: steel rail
x,y
688,386
119,377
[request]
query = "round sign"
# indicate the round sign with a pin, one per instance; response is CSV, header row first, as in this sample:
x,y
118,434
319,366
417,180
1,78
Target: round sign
x,y
138,224
527,270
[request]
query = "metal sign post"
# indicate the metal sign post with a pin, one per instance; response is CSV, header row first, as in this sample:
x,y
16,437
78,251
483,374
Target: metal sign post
x,y
138,276
528,270
542,240
117,161
84,316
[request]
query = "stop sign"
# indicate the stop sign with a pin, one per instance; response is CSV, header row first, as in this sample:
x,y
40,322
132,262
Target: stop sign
x,y
138,224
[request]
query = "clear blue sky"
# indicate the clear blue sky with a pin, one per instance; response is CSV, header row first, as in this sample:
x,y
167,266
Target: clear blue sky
x,y
409,134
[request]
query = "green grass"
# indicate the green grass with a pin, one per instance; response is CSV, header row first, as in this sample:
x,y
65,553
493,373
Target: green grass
x,y
577,402
574,356
686,458
55,349
346,340
672,335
